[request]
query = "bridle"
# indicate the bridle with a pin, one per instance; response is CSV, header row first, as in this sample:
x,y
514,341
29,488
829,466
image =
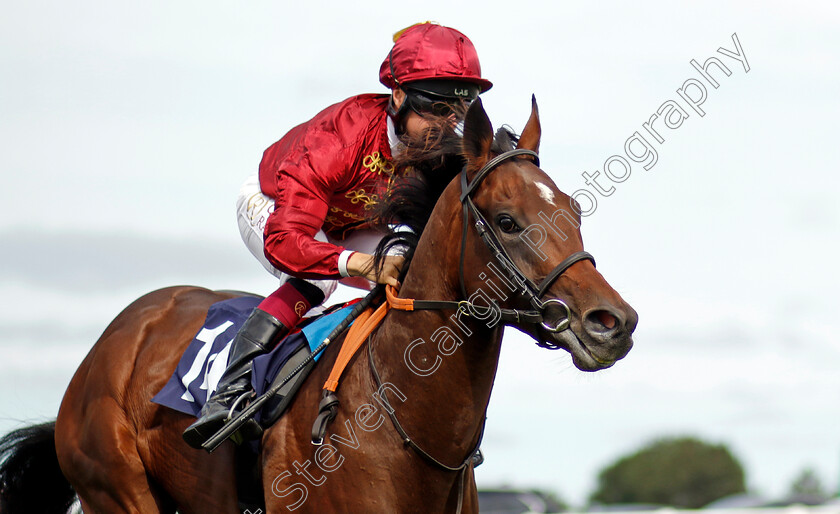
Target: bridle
x,y
526,286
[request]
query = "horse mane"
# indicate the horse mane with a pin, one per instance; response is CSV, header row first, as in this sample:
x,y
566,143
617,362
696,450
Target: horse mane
x,y
424,168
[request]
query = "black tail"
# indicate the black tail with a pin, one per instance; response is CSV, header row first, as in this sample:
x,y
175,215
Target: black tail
x,y
30,479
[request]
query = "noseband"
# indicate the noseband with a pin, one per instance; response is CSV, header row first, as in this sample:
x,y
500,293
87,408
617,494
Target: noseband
x,y
525,285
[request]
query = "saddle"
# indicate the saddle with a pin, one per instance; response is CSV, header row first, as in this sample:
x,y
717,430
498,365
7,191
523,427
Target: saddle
x,y
205,359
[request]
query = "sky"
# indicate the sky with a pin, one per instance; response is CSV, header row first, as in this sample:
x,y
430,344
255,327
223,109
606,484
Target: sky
x,y
127,129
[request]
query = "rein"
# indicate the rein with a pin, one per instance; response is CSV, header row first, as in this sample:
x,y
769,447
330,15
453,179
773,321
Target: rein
x,y
526,285
328,406
473,458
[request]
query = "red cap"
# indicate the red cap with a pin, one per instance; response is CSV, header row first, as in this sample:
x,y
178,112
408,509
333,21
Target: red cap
x,y
430,51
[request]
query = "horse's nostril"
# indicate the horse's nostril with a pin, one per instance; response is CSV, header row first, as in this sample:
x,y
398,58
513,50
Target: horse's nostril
x,y
606,319
602,320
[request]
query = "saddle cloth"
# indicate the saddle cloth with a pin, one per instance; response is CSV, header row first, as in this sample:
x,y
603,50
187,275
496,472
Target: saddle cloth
x,y
205,359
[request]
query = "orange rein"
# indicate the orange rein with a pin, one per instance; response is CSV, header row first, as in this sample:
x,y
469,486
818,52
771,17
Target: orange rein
x,y
362,327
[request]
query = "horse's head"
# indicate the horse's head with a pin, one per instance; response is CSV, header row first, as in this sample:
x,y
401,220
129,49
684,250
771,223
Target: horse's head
x,y
538,231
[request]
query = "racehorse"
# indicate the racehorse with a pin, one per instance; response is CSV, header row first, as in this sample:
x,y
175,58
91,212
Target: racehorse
x,y
502,246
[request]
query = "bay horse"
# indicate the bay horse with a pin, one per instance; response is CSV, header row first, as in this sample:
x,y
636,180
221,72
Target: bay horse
x,y
413,403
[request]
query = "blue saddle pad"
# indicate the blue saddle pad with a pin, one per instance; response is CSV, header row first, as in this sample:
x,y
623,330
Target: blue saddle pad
x,y
206,357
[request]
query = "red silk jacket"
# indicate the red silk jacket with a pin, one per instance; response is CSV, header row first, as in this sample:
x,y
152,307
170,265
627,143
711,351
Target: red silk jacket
x,y
325,174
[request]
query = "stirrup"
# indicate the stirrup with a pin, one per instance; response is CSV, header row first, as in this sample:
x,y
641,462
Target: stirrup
x,y
249,430
248,394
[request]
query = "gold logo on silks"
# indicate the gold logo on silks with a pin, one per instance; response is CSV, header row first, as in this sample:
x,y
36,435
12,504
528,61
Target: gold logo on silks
x,y
360,195
300,309
375,163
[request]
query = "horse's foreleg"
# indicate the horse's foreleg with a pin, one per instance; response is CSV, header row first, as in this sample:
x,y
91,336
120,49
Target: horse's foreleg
x,y
470,505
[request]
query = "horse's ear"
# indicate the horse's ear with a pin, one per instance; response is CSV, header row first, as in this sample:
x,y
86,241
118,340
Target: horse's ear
x,y
530,138
478,136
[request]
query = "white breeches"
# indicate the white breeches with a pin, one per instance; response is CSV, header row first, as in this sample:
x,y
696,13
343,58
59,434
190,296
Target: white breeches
x,y
252,210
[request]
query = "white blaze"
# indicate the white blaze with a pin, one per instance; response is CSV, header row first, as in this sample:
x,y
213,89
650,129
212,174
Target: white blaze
x,y
546,193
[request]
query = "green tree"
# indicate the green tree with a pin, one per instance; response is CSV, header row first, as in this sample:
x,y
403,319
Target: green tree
x,y
682,472
808,484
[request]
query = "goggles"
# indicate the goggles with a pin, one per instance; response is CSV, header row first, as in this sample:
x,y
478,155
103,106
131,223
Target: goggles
x,y
425,103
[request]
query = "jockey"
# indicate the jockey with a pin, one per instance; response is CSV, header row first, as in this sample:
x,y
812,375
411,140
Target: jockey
x,y
303,214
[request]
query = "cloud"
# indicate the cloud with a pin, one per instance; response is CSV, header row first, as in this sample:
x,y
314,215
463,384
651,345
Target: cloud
x,y
94,262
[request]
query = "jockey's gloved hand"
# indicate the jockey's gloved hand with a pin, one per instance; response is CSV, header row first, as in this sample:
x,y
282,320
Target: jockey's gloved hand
x,y
361,265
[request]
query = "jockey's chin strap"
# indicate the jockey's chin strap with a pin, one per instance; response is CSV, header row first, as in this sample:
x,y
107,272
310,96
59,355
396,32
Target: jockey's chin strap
x,y
525,285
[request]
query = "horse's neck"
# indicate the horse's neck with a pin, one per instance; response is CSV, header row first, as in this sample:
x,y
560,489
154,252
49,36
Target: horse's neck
x,y
444,365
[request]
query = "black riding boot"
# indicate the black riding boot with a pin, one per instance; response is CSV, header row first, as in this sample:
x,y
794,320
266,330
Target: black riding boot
x,y
258,335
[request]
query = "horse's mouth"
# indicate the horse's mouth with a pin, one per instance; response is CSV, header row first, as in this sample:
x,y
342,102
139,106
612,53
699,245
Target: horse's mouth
x,y
583,357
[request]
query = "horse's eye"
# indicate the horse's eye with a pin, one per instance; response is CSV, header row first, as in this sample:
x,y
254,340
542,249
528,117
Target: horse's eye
x,y
507,224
